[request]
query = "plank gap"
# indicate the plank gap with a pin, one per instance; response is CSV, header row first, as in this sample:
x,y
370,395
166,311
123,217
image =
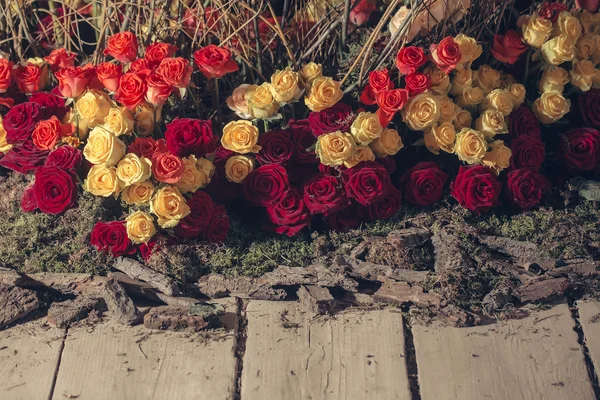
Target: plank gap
x,y
591,370
57,368
239,346
410,358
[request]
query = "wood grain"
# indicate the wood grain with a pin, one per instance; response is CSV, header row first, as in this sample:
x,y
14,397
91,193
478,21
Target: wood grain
x,y
353,355
534,358
589,318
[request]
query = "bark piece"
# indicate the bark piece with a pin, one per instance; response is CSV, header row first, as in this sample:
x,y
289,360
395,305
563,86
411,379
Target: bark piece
x,y
458,317
585,268
373,272
523,253
144,290
64,314
216,285
10,277
316,298
401,293
16,303
410,237
138,271
119,304
448,249
358,299
545,290
175,318
499,297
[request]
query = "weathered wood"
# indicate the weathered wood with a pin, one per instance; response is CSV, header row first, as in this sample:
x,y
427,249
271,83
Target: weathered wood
x,y
373,272
589,318
114,361
16,303
144,290
65,313
291,355
178,318
401,293
521,252
533,358
317,299
544,290
28,359
448,249
119,304
137,270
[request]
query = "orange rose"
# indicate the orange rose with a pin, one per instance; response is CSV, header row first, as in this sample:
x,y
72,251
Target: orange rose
x,y
132,89
214,61
175,71
109,74
72,81
167,167
6,68
156,52
60,58
158,90
31,78
122,46
47,132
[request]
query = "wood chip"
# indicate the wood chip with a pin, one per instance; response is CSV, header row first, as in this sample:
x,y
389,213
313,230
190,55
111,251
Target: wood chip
x,y
175,318
401,293
138,271
16,303
317,299
65,313
545,290
119,304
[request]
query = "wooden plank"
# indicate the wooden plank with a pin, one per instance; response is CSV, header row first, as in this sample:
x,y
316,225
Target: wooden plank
x,y
353,355
533,358
589,318
28,359
112,361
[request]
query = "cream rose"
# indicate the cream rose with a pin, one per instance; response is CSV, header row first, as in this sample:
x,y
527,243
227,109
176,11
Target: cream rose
x,y
140,227
470,146
487,79
309,73
261,103
469,50
241,137
138,193
362,153
550,107
366,128
440,81
102,181
193,178
584,48
491,123
285,86
144,118
568,25
498,158
444,135
470,98
134,169
462,79
559,50
582,74
499,100
324,93
237,168
335,148
238,101
464,119
92,107
554,78
169,206
536,31
388,144
119,121
517,93
103,147
421,112
448,109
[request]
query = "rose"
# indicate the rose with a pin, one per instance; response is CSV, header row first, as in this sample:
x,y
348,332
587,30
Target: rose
x,y
112,237
119,121
476,188
102,181
241,137
138,193
93,107
335,148
103,147
302,138
185,136
324,194
53,105
196,174
417,83
67,158
238,101
158,90
366,183
440,81
527,152
175,71
146,147
266,185
237,168
290,214
470,146
498,158
583,73
276,147
55,190
47,132
131,91
366,128
156,52
390,102
441,137
499,100
550,107
362,12
72,81
470,98
123,46
20,121
491,123
487,79
580,149
447,108
261,103
140,227
310,72
23,158
378,80
569,25
28,201
585,46
141,66
388,144
522,121
559,49
167,167
462,80
588,5
524,187
554,78
517,92
218,227
336,118
589,108
324,93
469,50
421,112
214,61
345,219
508,47
536,31
409,59
6,73
30,77
446,54
169,206
423,184
201,211
464,119
109,75
362,153
551,9
133,169
387,207
285,86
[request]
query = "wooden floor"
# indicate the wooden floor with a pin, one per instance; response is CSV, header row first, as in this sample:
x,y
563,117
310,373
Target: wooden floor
x,y
279,351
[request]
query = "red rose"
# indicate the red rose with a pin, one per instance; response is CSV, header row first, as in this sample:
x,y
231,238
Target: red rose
x,y
122,46
476,188
290,214
167,167
47,132
345,219
19,122
218,227
387,207
147,146
524,187
417,83
389,163
580,149
6,71
221,153
72,81
508,47
378,80
158,90
527,152
55,190
590,6
276,147
214,61
187,136
67,158
201,211
53,104
28,201
523,122
147,249
324,194
109,74
131,91
446,54
24,158
175,71
409,59
29,78
60,58
112,237
551,10
423,184
362,12
266,185
332,119
390,102
156,52
366,183
589,108
303,139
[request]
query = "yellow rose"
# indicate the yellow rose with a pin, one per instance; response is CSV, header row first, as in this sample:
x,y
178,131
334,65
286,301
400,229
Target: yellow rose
x,y
81,126
362,153
133,169
103,147
568,25
491,123
444,135
470,146
499,100
366,128
102,181
582,74
469,50
169,206
464,119
237,168
92,107
440,81
238,101
487,79
193,178
138,193
4,146
462,79
119,121
550,107
207,167
554,78
324,93
448,109
241,137
421,112
470,98
536,31
559,50
335,148
140,227
584,48
309,73
144,118
517,93
388,144
261,103
285,86
587,20
498,158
